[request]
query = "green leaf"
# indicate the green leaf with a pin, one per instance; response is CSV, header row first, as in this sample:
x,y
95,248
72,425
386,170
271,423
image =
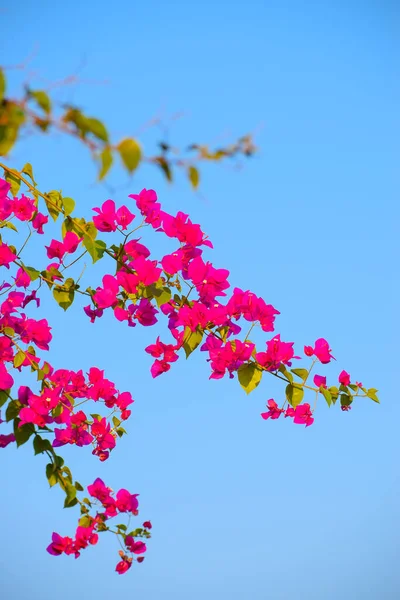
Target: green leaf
x,y
78,486
249,376
194,176
40,445
4,396
42,99
122,527
22,434
165,166
19,358
70,492
294,395
345,400
69,205
106,160
191,340
85,521
371,393
130,153
13,409
327,395
64,295
162,295
9,331
96,127
54,204
14,182
286,373
27,169
334,392
302,373
116,421
9,225
33,273
2,85
51,474
96,248
11,119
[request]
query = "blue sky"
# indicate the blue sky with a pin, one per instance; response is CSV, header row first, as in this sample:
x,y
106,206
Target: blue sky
x,y
241,508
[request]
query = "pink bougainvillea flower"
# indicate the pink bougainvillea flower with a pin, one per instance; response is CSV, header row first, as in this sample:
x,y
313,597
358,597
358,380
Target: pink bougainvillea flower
x,y
290,412
147,525
319,381
147,203
23,208
147,271
209,282
252,308
123,566
345,408
22,279
134,249
182,228
344,378
39,221
71,242
5,202
6,349
127,502
7,256
321,350
93,313
101,430
55,250
105,220
277,353
124,217
14,301
99,490
303,415
107,295
137,547
145,313
37,332
158,367
274,411
59,544
6,381
7,439
172,263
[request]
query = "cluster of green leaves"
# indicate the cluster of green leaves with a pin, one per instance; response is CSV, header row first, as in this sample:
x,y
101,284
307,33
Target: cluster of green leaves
x,y
36,108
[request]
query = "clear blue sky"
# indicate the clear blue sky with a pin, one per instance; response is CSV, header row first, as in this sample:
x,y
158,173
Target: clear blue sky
x,y
242,508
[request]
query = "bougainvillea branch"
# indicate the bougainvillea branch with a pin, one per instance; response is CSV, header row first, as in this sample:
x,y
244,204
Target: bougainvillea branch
x,y
182,289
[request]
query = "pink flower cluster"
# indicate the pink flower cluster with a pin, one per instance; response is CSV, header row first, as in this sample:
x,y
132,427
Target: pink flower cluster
x,y
302,414
110,506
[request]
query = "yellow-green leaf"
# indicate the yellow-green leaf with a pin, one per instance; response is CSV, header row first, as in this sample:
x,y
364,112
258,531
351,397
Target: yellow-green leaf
x,y
191,340
69,205
131,153
106,160
42,99
2,85
97,128
249,377
27,169
294,395
194,176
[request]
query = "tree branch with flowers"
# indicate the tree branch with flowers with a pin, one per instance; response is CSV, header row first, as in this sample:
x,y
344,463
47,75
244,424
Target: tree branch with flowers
x,y
182,290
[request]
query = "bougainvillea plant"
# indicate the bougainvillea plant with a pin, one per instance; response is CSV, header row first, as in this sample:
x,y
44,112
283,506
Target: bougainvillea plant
x,y
51,407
